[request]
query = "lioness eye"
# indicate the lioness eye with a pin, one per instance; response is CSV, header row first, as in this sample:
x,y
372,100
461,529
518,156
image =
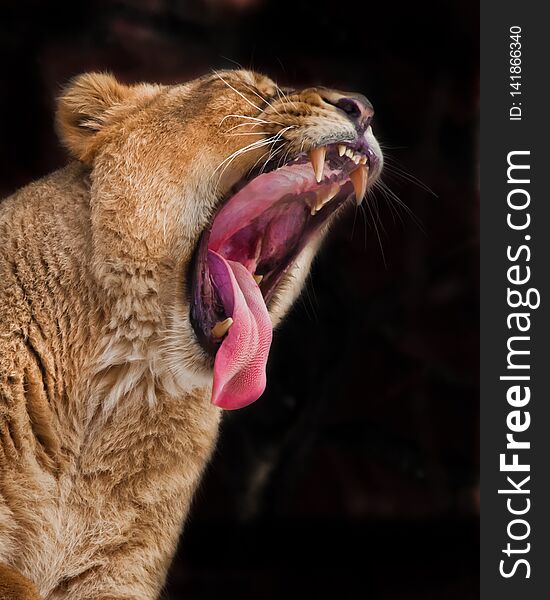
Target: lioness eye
x,y
287,90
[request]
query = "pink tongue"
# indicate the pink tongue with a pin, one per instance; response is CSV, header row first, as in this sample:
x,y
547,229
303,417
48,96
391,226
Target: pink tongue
x,y
239,368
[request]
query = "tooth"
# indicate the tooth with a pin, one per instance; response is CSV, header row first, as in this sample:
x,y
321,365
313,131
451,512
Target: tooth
x,y
363,160
349,152
341,150
258,278
356,159
221,327
359,178
317,158
324,196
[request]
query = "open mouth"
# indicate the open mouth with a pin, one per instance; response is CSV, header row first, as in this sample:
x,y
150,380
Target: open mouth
x,y
252,242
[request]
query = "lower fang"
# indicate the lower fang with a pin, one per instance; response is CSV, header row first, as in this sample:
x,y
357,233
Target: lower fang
x,y
258,278
222,327
323,197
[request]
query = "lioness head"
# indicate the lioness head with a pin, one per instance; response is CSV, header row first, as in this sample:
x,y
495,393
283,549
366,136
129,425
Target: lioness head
x,y
229,180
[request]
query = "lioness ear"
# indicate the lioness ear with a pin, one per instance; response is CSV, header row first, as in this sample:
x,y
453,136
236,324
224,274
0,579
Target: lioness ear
x,y
88,103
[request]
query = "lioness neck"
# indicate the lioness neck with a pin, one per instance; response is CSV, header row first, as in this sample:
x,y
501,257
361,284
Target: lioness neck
x,y
95,421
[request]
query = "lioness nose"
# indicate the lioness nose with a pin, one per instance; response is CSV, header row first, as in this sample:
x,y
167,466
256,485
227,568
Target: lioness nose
x,y
356,106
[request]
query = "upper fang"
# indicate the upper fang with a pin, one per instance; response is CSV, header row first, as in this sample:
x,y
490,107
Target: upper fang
x,y
359,178
317,158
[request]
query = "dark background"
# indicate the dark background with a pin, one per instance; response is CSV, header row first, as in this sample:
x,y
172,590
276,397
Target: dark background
x,y
356,474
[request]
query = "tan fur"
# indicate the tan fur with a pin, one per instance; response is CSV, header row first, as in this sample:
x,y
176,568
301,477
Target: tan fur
x,y
105,418
13,586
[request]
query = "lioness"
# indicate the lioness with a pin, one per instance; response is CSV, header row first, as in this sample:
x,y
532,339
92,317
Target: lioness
x,y
139,288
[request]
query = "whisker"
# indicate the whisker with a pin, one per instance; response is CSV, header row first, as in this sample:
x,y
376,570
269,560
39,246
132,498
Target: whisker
x,y
280,133
261,98
231,157
284,158
312,299
249,133
395,198
363,212
270,152
251,118
243,125
393,167
285,98
237,92
253,124
389,202
236,63
271,156
386,147
368,207
376,208
353,225
251,146
258,144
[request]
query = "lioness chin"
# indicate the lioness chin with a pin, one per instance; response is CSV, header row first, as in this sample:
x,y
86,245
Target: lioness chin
x,y
139,287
